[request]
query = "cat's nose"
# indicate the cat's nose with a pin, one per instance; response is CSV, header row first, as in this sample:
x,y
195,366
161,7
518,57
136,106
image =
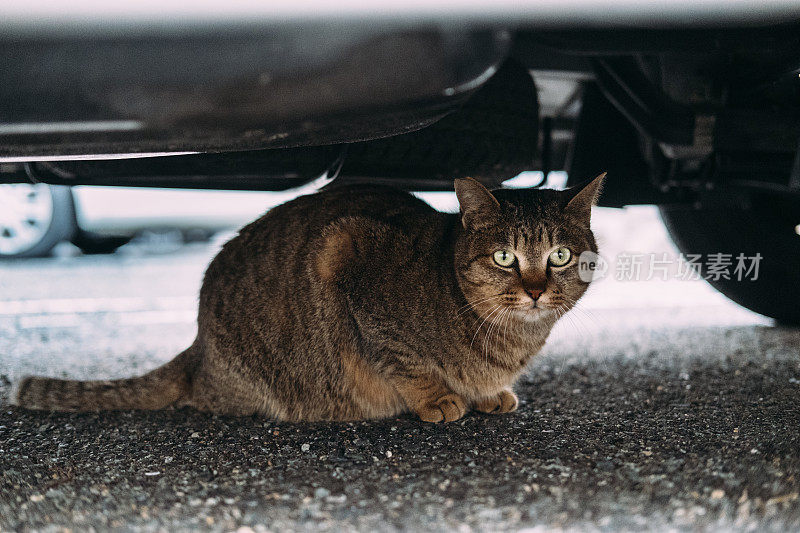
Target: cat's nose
x,y
534,293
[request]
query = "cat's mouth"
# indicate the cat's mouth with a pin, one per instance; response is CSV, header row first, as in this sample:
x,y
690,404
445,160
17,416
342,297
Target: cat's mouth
x,y
530,312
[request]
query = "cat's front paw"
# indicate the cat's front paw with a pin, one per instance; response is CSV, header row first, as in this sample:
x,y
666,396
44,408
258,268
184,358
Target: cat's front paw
x,y
444,409
503,402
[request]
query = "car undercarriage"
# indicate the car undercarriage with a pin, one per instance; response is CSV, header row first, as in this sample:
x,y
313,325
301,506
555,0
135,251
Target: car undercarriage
x,y
701,117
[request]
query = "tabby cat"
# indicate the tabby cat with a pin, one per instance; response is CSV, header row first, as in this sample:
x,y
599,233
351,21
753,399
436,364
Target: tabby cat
x,y
363,302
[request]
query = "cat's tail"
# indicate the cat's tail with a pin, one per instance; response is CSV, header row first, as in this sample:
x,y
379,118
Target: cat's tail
x,y
156,389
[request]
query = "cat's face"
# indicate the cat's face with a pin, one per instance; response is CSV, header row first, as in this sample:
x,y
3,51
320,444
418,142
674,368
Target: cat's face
x,y
518,255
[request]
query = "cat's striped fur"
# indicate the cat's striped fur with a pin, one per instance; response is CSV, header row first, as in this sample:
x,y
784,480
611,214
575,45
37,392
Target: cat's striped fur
x,y
363,302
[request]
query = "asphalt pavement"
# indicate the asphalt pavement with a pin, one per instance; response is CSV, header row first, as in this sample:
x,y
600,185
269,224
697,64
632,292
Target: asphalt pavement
x,y
655,405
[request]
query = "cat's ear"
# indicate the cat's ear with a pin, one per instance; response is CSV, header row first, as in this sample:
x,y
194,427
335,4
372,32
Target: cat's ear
x,y
478,206
582,197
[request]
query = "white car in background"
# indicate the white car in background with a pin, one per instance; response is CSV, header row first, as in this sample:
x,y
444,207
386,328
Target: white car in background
x,y
34,218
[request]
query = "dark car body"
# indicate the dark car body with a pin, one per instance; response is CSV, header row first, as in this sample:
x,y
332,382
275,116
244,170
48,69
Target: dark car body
x,y
694,106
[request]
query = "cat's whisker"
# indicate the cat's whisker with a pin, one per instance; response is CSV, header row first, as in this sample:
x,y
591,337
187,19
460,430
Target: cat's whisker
x,y
568,317
561,311
509,321
492,343
581,317
573,321
493,328
465,312
487,335
509,316
489,332
500,322
578,314
585,312
471,306
492,324
496,307
595,362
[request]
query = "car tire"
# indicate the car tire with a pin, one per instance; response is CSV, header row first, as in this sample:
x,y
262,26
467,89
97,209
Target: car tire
x,y
50,216
769,227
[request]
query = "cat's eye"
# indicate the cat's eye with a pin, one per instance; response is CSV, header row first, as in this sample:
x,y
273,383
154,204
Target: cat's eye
x,y
504,258
560,257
